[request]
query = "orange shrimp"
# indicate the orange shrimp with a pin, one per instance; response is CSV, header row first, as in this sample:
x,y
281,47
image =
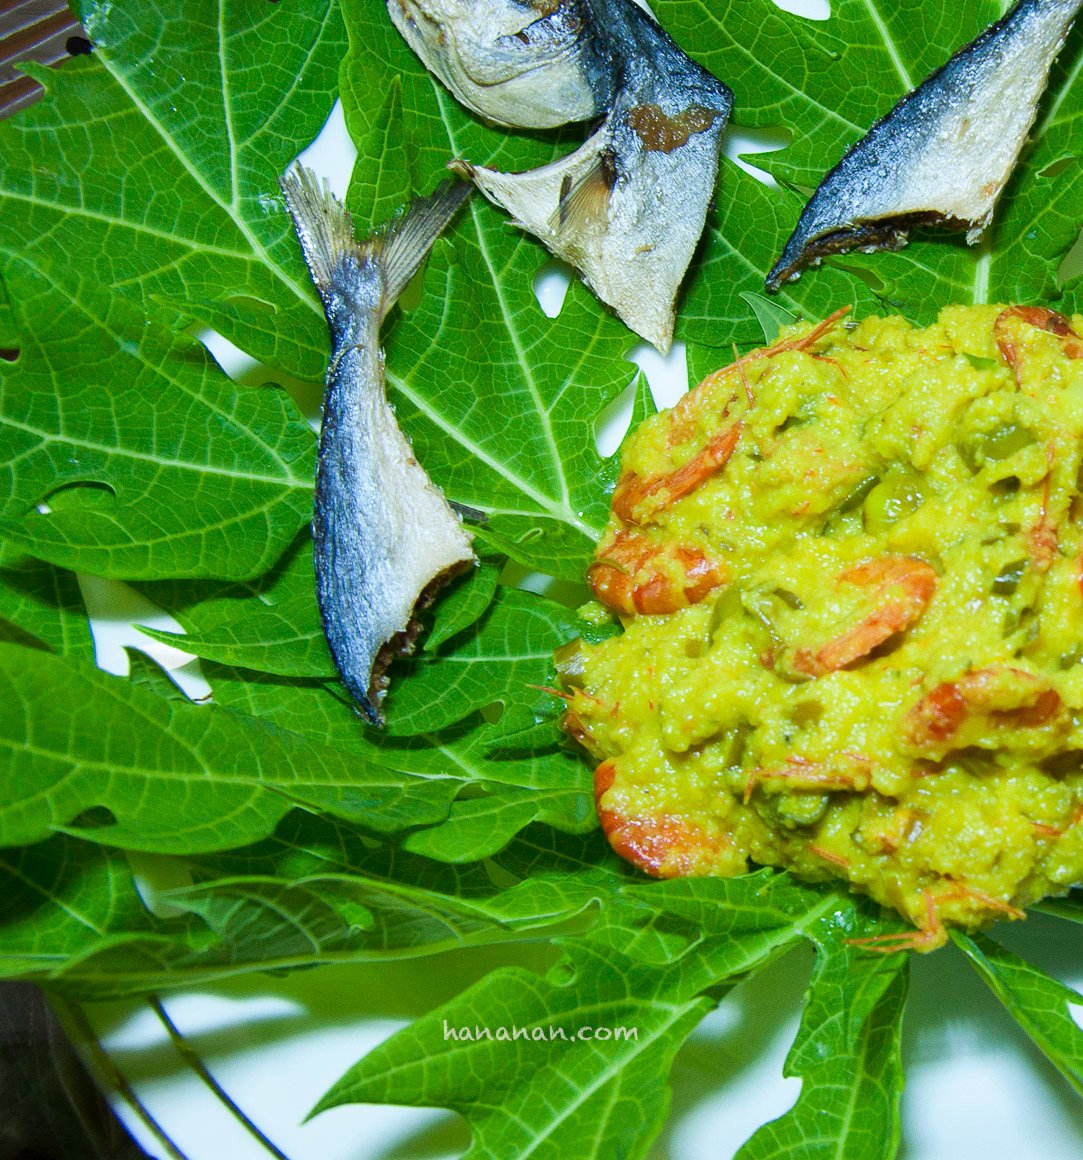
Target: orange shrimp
x,y
931,933
1043,319
572,722
830,856
903,586
631,575
670,486
801,774
1042,537
683,416
663,845
1006,697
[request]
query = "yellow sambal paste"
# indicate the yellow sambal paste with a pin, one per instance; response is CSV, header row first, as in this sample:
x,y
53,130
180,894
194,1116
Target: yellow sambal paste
x,y
849,572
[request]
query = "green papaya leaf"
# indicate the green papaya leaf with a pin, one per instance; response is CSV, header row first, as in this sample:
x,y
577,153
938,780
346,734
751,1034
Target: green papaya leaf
x,y
44,602
384,176
574,1062
164,147
166,776
270,624
462,605
769,314
70,914
145,673
517,1056
129,453
1039,1004
508,660
500,792
60,900
847,1055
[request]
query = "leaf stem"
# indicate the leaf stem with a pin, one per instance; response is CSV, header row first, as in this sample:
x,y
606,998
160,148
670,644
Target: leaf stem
x,y
74,1016
981,273
191,1058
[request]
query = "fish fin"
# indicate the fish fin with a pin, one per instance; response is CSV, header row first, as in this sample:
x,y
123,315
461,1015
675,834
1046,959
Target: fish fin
x,y
584,204
403,244
325,229
323,224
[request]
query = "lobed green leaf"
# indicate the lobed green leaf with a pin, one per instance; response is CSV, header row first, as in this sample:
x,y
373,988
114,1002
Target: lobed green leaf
x,y
167,776
508,660
548,1097
270,624
847,1054
165,146
502,791
644,974
1039,1004
128,452
314,892
42,601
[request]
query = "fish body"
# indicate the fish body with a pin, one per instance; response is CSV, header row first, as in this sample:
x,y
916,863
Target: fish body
x,y
943,154
384,536
628,207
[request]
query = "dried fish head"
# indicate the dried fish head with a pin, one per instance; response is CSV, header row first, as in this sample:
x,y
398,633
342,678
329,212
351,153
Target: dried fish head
x,y
944,152
531,64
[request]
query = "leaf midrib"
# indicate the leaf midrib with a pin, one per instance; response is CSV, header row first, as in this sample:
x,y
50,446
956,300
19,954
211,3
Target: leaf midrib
x,y
542,412
259,251
82,919
547,505
890,45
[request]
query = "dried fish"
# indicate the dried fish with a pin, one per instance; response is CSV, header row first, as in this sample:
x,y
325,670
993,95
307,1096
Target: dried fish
x,y
627,208
385,539
944,152
522,63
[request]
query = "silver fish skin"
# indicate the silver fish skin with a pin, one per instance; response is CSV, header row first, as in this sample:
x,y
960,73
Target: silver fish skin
x,y
384,537
943,154
527,64
628,207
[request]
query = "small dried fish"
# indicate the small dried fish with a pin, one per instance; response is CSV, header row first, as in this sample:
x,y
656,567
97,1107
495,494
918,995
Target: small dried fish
x,y
385,539
944,152
627,208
